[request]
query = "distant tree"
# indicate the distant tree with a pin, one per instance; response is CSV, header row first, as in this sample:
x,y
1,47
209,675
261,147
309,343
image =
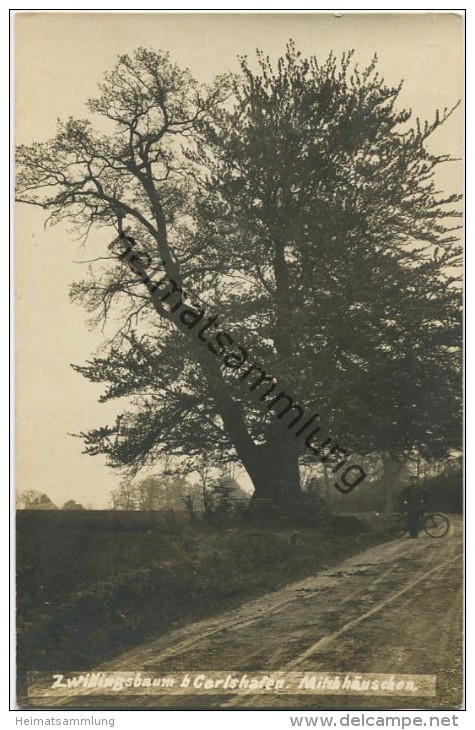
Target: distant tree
x,y
26,497
189,503
226,492
205,485
29,497
149,493
222,496
72,505
154,492
237,491
162,491
125,496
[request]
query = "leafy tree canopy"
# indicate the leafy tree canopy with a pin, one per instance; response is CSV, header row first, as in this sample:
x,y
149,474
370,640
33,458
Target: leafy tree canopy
x,y
297,203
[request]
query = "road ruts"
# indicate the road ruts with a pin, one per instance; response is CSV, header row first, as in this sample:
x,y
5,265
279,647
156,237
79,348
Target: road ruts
x,y
395,608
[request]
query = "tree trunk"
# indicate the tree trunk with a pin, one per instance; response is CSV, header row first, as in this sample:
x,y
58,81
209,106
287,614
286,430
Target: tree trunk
x,y
279,479
276,475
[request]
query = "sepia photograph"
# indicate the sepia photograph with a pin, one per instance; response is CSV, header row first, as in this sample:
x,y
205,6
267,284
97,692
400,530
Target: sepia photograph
x,y
238,302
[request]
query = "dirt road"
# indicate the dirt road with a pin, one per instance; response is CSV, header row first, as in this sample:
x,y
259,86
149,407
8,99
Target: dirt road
x,y
395,608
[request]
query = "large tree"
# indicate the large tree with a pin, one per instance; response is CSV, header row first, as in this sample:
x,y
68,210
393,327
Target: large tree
x,y
298,205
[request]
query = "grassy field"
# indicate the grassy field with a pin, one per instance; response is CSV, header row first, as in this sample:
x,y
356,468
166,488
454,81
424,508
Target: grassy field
x,y
90,584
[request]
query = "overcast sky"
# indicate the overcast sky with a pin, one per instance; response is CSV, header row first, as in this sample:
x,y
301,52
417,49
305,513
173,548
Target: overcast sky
x,y
59,60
